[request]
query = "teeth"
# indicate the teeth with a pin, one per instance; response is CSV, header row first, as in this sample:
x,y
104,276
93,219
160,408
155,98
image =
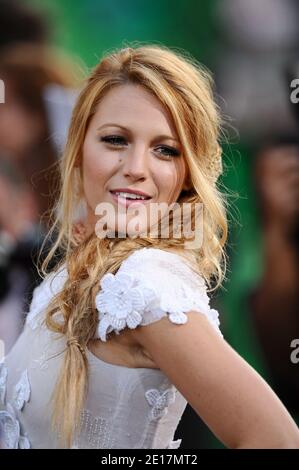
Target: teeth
x,y
129,195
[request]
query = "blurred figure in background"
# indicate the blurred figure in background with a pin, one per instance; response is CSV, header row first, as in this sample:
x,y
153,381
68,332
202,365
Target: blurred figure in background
x,y
274,304
25,138
28,171
19,22
18,237
259,40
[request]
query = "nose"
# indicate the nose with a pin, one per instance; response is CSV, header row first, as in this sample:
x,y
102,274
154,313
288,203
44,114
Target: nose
x,y
135,163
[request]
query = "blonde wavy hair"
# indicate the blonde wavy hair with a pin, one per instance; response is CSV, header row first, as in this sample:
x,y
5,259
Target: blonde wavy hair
x,y
184,87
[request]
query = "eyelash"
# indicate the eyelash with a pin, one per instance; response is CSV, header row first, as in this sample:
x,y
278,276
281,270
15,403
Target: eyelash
x,y
113,139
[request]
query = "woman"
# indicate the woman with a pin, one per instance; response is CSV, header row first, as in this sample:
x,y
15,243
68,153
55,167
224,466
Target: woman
x,y
121,334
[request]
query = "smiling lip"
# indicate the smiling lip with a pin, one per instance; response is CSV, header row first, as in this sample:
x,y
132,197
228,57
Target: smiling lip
x,y
129,202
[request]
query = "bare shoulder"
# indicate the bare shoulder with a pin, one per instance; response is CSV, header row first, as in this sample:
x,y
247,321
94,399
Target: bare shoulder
x,y
180,350
225,391
165,341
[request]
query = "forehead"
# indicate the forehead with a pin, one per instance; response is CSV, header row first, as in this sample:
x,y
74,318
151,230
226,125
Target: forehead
x,y
132,105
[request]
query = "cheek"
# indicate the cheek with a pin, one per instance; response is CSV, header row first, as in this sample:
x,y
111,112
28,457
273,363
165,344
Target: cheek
x,y
170,179
97,170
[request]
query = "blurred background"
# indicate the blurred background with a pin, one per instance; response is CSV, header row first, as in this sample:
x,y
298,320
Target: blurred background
x,y
252,49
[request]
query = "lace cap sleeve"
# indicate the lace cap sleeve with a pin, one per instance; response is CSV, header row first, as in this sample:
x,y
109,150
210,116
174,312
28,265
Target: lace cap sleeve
x,y
150,284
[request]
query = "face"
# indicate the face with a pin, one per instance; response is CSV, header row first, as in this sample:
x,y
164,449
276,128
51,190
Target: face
x,y
131,145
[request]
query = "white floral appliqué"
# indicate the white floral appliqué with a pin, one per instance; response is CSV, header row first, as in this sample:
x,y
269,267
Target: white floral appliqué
x,y
21,391
159,401
120,303
10,429
149,285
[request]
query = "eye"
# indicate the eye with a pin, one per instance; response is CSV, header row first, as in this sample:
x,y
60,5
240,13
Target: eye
x,y
168,152
115,140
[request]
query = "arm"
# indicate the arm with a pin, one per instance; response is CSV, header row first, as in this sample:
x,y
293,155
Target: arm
x,y
233,400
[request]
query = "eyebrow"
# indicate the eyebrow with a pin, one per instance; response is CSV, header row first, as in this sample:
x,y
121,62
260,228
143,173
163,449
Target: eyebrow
x,y
128,130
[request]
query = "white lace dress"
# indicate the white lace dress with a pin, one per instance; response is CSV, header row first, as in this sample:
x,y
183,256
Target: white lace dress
x,y
125,407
